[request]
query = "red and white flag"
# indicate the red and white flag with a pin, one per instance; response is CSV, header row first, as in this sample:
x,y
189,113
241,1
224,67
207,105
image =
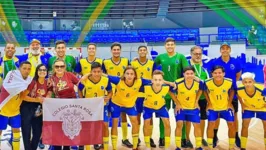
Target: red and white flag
x,y
70,122
13,84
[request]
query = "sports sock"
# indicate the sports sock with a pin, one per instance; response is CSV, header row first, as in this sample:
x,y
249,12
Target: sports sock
x,y
178,141
105,143
124,130
16,141
244,142
147,141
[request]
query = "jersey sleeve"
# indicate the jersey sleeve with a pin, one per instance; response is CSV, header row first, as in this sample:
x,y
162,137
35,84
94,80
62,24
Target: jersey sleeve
x,y
78,68
234,86
157,60
73,78
114,79
201,85
145,82
81,86
171,89
263,93
109,86
154,67
103,68
184,62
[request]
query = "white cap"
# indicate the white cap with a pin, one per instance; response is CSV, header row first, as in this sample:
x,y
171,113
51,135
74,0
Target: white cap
x,y
248,75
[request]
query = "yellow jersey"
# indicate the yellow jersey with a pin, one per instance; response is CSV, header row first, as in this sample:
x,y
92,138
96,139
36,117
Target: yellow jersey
x,y
12,107
253,102
124,95
187,96
219,95
143,70
110,68
91,89
84,66
155,100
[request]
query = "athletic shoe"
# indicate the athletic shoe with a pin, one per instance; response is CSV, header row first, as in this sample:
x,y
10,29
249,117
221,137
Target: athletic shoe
x,y
204,142
73,147
214,142
243,149
178,148
41,145
184,143
9,143
199,148
161,143
97,147
189,144
153,145
51,148
238,142
127,143
139,141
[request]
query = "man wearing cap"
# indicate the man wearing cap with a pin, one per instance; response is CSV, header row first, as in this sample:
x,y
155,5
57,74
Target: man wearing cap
x,y
35,56
233,71
251,96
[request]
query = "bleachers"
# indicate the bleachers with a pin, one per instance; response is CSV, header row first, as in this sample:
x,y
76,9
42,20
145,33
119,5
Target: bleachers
x,y
68,9
123,36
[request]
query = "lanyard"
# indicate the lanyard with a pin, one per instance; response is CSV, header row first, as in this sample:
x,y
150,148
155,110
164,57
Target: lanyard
x,y
198,72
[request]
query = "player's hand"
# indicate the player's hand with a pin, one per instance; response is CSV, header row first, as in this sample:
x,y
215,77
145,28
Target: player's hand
x,y
230,106
172,84
39,99
177,109
83,78
209,106
197,78
106,99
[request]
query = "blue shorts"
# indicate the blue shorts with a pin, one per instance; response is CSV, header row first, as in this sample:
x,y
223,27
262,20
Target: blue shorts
x,y
14,122
248,114
105,114
160,113
227,115
116,110
192,115
139,104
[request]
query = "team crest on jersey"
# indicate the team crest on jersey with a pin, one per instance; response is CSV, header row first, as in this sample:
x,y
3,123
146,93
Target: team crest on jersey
x,y
124,67
224,91
232,66
102,87
177,61
69,64
72,123
148,69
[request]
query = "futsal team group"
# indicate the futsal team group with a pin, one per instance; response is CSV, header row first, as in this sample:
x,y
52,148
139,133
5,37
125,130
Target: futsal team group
x,y
200,94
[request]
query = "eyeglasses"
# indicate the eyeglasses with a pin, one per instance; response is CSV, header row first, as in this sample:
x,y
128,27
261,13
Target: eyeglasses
x,y
43,70
197,54
57,67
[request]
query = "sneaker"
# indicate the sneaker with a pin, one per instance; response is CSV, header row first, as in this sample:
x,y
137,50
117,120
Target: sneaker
x,y
178,148
214,142
243,149
81,148
153,145
161,143
199,148
9,143
51,148
184,143
204,142
97,147
127,143
189,144
41,145
73,147
139,141
238,142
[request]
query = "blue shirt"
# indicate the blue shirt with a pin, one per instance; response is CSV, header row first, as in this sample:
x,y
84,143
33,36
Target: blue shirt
x,y
232,67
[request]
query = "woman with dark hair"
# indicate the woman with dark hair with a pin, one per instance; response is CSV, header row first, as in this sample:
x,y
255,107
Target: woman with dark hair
x,y
31,108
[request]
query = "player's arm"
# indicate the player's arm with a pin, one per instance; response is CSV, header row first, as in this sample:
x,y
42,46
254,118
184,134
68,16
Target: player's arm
x,y
199,94
114,79
109,91
231,96
172,84
241,102
205,93
80,89
24,96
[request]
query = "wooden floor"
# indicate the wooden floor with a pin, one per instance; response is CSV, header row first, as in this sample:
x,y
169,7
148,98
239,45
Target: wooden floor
x,y
255,139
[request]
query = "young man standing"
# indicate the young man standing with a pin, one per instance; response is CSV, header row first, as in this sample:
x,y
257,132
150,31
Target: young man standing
x,y
172,64
144,68
84,65
233,70
115,66
219,93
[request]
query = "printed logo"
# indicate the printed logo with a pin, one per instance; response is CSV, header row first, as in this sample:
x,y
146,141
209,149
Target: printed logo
x,y
71,123
232,66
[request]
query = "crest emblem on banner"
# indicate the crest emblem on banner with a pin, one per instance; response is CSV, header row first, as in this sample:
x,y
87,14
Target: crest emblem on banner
x,y
71,123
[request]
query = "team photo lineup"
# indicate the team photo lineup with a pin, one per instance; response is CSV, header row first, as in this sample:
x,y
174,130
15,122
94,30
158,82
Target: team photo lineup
x,y
134,92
